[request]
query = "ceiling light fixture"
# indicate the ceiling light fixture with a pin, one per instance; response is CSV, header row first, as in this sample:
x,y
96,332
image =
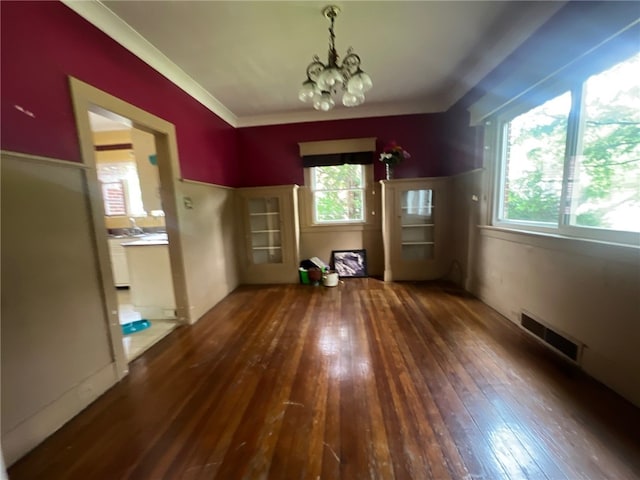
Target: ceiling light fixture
x,y
323,80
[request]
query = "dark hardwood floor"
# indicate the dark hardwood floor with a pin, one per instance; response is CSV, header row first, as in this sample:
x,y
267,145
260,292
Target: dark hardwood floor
x,y
366,380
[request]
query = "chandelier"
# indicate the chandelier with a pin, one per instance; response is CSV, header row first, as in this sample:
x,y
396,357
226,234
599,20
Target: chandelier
x,y
323,80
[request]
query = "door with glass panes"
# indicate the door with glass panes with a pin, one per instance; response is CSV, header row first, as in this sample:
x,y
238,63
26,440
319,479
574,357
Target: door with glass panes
x,y
416,224
265,235
414,220
271,239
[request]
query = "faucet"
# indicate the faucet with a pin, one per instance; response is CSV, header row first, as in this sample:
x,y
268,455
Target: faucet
x,y
135,229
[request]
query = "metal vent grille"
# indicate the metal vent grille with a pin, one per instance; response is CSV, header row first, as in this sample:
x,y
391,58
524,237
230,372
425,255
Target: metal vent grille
x,y
562,344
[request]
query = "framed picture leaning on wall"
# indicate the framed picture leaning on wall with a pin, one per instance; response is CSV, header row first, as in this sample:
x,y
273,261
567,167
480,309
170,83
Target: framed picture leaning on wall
x,y
349,263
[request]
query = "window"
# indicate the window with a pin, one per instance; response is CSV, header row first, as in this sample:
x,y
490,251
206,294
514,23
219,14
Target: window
x,y
120,188
114,198
533,163
338,193
571,164
606,173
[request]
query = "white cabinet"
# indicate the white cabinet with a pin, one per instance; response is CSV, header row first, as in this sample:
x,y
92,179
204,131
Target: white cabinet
x,y
271,235
119,261
415,225
151,281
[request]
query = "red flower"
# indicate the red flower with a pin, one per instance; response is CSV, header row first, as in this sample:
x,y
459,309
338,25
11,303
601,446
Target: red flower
x,y
393,153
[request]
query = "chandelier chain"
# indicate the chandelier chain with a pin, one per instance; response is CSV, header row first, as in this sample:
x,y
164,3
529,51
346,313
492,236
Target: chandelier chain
x,y
333,54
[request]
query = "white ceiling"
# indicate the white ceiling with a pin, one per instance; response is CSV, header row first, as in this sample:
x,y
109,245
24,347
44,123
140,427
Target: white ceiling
x,y
246,60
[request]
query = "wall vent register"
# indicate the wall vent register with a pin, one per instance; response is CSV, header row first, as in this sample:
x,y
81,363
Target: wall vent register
x,y
559,342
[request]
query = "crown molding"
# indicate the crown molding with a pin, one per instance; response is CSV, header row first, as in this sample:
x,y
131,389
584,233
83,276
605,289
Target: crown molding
x,y
108,22
340,113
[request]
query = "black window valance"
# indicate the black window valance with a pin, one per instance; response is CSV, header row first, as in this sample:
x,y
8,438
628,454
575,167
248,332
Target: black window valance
x,y
354,151
325,160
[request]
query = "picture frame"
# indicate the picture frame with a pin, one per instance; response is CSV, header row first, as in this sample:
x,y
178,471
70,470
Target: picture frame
x,y
349,263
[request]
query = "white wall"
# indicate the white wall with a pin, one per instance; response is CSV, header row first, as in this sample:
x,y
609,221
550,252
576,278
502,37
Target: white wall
x,y
56,354
56,350
465,200
320,240
144,146
208,240
321,243
587,290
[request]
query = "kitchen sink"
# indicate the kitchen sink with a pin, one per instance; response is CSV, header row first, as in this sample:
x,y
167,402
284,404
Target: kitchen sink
x,y
142,236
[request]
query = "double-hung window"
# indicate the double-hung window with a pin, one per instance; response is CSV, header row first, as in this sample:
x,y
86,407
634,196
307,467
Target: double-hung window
x,y
570,164
338,194
338,178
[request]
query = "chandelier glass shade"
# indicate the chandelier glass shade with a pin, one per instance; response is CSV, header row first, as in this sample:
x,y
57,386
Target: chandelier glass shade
x,y
323,80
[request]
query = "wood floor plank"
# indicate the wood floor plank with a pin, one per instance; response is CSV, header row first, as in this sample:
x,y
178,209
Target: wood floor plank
x,y
330,347
304,415
558,407
411,435
437,371
500,433
368,380
232,388
493,378
234,367
381,465
579,463
354,433
444,460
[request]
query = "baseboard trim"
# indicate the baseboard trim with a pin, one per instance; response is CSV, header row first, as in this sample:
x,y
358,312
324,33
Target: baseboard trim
x,y
31,432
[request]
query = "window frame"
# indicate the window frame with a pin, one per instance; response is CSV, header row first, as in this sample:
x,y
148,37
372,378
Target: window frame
x,y
363,189
108,190
130,211
307,220
495,150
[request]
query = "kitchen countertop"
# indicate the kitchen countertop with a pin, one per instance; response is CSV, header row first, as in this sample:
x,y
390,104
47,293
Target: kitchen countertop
x,y
147,240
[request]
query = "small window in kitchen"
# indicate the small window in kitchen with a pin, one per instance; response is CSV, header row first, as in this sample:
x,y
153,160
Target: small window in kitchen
x,y
115,201
120,188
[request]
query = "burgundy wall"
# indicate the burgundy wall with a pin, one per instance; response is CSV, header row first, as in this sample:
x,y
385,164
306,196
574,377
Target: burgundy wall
x,y
44,42
270,155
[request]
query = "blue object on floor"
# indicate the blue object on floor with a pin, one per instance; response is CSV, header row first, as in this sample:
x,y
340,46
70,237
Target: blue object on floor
x,y
135,326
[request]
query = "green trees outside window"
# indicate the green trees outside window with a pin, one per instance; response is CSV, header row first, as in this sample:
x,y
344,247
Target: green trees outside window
x,y
575,159
338,193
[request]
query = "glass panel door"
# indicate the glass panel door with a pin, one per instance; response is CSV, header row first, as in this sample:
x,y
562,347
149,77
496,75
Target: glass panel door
x,y
417,225
264,226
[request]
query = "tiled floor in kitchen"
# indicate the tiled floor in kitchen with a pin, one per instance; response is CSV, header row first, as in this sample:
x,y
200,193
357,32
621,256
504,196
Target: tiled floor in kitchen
x,y
136,343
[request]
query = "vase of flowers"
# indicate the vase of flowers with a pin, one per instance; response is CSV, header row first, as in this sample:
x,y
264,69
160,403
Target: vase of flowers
x,y
392,154
389,171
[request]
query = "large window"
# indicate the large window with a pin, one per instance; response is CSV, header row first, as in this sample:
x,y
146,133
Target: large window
x,y
338,194
571,164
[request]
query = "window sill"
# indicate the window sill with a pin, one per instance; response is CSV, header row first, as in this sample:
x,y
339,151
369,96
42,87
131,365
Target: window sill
x,y
574,245
338,227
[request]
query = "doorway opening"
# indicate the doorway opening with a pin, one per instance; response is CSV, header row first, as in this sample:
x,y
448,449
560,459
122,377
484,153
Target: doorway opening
x,y
142,211
127,170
